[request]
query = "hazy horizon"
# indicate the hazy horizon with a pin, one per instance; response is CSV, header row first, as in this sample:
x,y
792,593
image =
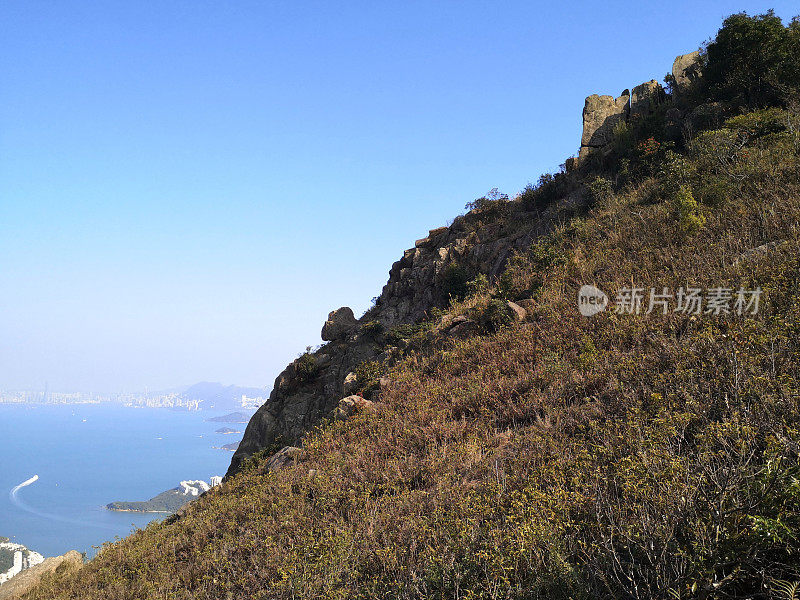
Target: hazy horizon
x,y
186,191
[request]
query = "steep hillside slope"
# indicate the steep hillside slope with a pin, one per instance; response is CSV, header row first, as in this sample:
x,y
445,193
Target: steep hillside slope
x,y
508,446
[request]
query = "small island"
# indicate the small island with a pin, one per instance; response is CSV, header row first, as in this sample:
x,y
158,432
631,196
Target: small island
x,y
169,501
234,417
229,447
227,431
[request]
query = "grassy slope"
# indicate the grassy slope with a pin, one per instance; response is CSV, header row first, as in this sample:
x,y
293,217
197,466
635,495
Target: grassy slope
x,y
618,456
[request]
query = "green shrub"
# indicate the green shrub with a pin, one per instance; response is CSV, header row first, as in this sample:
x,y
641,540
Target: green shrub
x,y
687,211
716,151
305,367
550,188
524,274
758,123
600,190
493,203
478,285
372,329
492,316
715,191
624,140
673,171
399,335
368,375
454,278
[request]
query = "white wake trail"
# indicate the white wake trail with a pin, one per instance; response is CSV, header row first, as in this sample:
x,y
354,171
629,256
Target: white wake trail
x,y
16,501
14,491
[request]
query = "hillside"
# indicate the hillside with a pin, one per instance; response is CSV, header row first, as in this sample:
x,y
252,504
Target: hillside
x,y
474,435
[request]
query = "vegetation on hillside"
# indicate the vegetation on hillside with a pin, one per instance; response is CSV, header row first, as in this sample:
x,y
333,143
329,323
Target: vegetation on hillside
x,y
651,455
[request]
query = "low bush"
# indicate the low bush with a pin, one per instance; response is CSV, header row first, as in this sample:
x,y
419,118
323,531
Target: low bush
x,y
368,374
550,188
687,211
453,281
492,315
600,190
306,368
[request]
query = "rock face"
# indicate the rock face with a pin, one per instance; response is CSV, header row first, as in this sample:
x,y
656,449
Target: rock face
x,y
686,70
600,115
310,388
19,585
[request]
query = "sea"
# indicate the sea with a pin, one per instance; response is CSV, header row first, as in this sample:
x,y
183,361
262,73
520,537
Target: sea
x,y
87,455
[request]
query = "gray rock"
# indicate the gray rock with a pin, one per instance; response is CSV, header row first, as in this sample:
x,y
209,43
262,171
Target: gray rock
x,y
645,97
517,312
349,385
299,402
340,322
352,405
601,114
756,253
686,70
283,457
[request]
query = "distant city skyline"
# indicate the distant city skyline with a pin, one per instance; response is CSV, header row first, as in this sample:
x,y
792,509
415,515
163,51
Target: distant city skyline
x,y
187,189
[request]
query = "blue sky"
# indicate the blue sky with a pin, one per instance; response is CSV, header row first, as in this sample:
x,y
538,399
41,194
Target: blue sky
x,y
187,188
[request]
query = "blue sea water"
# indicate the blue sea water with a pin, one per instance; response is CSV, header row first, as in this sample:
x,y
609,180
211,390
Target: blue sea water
x,y
89,455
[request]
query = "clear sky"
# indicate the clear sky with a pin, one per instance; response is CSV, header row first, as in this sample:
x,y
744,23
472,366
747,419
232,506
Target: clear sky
x,y
187,188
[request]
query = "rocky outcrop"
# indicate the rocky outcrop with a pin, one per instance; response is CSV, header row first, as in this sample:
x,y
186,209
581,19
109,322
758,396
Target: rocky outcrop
x,y
686,70
310,388
601,114
340,322
21,584
645,97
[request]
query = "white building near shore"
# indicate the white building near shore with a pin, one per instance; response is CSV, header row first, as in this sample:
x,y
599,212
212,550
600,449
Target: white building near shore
x,y
22,559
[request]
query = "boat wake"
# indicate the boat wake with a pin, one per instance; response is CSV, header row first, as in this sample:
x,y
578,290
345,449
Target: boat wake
x,y
19,503
13,494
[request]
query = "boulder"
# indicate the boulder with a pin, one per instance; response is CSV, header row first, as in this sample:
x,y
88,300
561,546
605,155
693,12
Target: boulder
x,y
756,253
25,581
283,457
686,70
529,305
352,405
340,322
600,115
517,312
644,97
349,384
461,326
